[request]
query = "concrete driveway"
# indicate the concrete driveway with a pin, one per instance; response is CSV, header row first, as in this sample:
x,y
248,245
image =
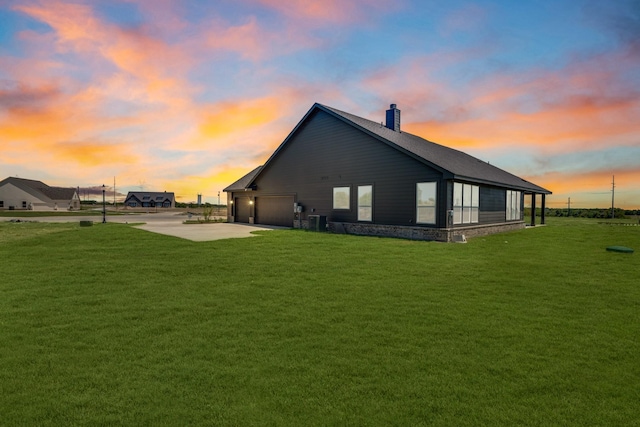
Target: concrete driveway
x,y
168,223
205,232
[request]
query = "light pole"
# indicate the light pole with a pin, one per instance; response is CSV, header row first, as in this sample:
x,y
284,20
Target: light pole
x,y
104,208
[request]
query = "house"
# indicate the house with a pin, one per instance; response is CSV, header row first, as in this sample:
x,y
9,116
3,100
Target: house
x,y
149,199
28,194
365,177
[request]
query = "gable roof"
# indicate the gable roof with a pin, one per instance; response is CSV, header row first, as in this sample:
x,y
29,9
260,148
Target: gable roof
x,y
244,182
453,163
153,195
40,190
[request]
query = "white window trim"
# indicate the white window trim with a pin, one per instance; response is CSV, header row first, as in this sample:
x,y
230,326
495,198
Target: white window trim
x,y
468,211
513,211
434,207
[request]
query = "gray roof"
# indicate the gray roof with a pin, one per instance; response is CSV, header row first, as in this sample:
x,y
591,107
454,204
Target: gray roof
x,y
153,195
454,163
243,182
41,190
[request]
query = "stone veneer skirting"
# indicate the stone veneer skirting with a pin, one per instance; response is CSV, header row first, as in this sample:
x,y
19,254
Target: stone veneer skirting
x,y
420,233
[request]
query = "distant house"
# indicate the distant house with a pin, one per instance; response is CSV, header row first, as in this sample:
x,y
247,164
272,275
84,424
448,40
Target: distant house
x,y
150,199
366,177
28,194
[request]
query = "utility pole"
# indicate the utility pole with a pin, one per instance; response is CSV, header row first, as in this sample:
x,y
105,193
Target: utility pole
x,y
613,192
569,205
104,208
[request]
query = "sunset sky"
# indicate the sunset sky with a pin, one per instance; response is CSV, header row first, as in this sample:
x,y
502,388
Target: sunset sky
x,y
188,96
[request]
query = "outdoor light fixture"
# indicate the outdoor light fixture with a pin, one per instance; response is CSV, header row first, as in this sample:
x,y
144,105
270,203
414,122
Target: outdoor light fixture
x,y
250,202
104,211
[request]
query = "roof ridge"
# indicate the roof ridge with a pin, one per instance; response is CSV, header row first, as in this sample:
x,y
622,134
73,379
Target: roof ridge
x,y
461,164
453,163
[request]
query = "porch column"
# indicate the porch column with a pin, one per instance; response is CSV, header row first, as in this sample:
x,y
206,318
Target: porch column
x,y
533,209
543,208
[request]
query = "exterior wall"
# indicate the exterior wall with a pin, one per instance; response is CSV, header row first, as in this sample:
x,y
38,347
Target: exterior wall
x,y
493,203
14,197
422,233
242,208
492,206
75,202
326,153
135,201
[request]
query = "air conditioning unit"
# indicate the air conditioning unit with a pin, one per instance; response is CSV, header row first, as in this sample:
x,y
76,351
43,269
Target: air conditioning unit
x,y
317,223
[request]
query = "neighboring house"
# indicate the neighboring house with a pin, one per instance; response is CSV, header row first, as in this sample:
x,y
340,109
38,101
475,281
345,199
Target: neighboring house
x,y
28,194
149,199
364,177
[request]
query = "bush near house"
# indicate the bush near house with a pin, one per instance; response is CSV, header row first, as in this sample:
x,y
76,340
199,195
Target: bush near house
x,y
602,213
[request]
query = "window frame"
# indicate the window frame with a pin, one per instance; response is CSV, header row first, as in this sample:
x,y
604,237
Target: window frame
x,y
513,211
466,203
432,208
346,189
369,206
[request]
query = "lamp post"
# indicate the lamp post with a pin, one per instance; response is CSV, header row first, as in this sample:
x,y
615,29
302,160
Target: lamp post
x,y
104,208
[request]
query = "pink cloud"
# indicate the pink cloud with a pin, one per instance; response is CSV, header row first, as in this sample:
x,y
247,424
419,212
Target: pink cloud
x,y
248,39
327,11
147,60
253,41
584,105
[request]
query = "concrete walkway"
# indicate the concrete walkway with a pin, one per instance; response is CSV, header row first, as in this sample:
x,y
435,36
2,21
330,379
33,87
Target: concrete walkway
x,y
167,223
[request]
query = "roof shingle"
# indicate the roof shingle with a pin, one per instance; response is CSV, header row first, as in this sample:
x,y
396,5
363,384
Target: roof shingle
x,y
457,164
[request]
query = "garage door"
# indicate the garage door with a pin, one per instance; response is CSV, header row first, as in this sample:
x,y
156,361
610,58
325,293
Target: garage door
x,y
243,209
274,210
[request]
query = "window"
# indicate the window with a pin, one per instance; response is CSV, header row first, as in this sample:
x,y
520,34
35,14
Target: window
x,y
514,205
341,196
426,203
24,204
475,203
466,203
365,206
1,203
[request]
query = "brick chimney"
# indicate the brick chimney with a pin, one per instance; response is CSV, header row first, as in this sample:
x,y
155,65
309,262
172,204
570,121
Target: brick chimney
x,y
393,118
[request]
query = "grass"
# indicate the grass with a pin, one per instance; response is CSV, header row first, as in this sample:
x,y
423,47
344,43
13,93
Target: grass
x,y
114,325
38,214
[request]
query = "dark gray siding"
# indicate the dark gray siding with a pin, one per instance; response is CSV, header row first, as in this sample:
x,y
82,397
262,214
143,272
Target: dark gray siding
x,y
326,153
492,205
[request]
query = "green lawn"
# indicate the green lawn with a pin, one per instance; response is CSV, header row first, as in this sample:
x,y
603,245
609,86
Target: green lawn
x,y
111,325
37,214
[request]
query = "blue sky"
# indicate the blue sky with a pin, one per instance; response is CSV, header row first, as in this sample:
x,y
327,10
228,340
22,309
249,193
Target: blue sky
x,y
189,96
